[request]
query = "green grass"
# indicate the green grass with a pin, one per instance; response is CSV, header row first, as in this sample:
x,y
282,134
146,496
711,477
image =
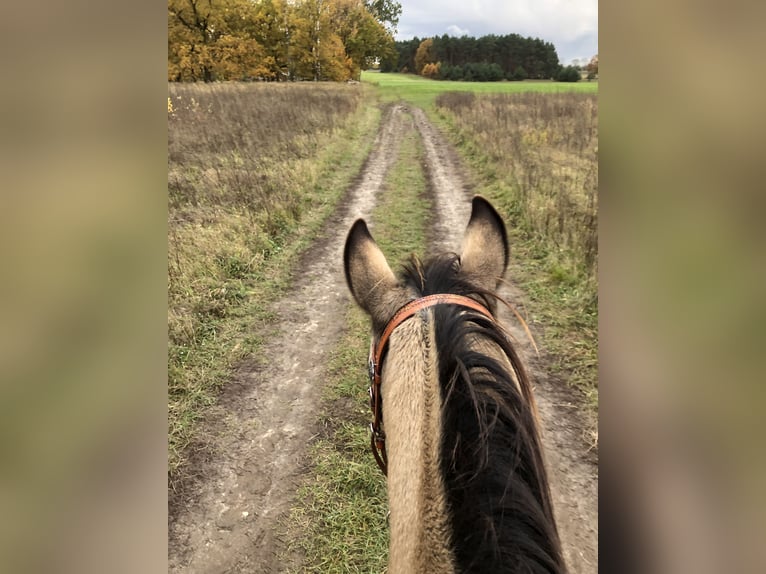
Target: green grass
x,y
423,91
403,212
339,522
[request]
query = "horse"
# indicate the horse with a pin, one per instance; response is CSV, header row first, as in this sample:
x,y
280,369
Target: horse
x,y
454,421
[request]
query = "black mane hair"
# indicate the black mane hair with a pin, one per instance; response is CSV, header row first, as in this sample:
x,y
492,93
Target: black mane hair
x,y
491,455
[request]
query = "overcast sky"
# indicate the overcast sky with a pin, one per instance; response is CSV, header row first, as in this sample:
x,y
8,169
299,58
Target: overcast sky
x,y
570,25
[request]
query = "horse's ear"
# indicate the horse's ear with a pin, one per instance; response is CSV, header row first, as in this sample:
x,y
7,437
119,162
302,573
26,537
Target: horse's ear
x,y
485,245
368,274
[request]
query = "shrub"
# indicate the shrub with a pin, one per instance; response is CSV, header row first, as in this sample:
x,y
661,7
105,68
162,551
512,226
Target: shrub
x,y
493,73
431,70
470,72
518,74
568,74
447,72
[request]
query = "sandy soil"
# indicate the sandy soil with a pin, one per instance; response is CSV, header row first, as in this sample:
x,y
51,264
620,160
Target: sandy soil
x,y
267,414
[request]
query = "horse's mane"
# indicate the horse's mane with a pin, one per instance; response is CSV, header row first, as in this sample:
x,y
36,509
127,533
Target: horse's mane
x,y
497,489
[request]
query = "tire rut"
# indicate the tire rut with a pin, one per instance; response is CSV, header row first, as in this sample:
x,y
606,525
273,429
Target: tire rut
x,y
267,414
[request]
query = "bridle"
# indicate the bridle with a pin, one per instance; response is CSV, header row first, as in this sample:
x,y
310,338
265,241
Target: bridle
x,y
378,436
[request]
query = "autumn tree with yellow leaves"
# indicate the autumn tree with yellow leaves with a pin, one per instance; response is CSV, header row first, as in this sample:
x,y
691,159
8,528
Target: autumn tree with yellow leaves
x,y
425,55
277,40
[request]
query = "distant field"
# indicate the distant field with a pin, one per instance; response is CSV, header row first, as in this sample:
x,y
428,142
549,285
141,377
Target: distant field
x,y
423,92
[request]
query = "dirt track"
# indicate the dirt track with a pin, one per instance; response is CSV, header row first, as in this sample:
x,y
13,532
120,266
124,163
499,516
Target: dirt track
x,y
268,413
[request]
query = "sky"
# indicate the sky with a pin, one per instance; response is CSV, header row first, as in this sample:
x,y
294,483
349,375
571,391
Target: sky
x,y
570,25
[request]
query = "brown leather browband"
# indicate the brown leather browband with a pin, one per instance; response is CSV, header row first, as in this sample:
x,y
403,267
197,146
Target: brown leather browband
x,y
378,436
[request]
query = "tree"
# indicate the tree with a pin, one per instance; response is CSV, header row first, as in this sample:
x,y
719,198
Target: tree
x,y
407,50
389,62
494,72
320,54
364,38
592,68
190,33
274,26
510,52
209,41
239,59
385,12
278,39
471,72
424,55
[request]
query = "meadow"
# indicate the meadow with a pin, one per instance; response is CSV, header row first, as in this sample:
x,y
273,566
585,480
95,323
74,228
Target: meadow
x,y
424,91
253,171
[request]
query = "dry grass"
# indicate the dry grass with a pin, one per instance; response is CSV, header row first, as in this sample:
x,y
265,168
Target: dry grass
x,y
547,146
537,157
253,170
239,146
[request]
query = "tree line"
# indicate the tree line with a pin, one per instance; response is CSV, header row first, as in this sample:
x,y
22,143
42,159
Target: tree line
x,y
278,40
488,58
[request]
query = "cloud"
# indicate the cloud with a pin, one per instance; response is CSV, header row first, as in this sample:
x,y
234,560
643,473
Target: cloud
x,y
571,25
457,31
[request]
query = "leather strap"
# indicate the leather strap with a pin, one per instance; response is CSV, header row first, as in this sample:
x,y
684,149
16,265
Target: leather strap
x,y
378,438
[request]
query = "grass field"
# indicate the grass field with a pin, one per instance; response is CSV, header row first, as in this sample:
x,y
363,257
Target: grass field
x,y
253,171
423,91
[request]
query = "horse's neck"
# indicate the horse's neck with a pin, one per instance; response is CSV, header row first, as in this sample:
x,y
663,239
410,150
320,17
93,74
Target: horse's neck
x,y
420,530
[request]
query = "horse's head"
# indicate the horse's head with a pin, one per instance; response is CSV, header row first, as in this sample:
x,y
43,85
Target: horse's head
x,y
482,263
453,408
